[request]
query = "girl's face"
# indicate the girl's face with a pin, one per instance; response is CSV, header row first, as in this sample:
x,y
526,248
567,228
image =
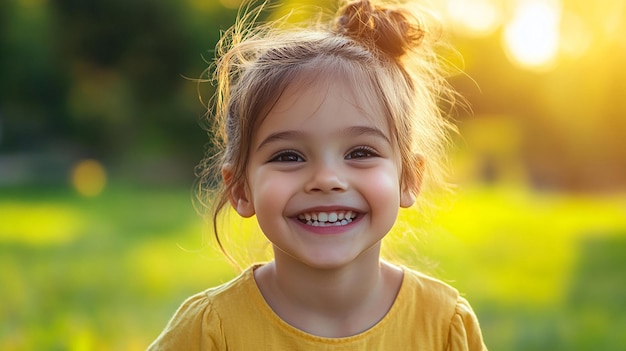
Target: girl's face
x,y
323,177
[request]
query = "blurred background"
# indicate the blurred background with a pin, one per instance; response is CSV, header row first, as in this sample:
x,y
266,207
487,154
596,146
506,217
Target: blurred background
x,y
100,133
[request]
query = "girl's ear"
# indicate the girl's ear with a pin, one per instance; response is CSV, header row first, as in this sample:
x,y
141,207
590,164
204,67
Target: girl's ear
x,y
411,185
407,199
238,196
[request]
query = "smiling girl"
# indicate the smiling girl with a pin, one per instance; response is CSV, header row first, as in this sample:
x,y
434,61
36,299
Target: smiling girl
x,y
326,133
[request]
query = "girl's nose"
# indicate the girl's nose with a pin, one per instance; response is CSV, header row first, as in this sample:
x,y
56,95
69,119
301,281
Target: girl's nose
x,y
326,178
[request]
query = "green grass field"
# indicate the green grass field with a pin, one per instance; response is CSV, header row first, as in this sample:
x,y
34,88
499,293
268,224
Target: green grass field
x,y
543,271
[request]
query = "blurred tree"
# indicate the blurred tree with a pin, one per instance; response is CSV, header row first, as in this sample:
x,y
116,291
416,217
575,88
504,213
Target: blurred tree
x,y
31,83
105,78
124,60
571,114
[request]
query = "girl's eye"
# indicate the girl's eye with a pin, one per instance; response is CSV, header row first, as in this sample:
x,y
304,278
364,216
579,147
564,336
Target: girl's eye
x,y
361,152
286,156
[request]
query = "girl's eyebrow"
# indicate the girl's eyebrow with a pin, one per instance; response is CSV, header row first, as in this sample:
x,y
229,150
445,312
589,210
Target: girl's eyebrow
x,y
348,132
365,130
285,135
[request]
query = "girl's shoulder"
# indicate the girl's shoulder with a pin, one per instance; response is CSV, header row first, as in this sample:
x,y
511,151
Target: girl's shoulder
x,y
430,301
197,324
428,289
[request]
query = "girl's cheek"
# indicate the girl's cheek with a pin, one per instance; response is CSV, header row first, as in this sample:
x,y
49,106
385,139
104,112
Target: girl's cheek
x,y
276,186
379,185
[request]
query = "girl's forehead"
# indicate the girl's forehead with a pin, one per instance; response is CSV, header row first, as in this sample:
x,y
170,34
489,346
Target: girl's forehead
x,y
310,92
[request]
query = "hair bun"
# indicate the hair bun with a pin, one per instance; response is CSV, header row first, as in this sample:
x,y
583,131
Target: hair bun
x,y
393,31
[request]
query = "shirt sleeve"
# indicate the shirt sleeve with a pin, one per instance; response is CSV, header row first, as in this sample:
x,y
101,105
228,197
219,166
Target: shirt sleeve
x,y
465,334
194,326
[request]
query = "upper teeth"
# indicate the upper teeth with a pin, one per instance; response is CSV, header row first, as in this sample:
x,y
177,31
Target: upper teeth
x,y
327,218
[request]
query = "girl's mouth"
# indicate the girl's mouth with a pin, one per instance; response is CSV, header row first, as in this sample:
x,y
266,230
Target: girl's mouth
x,y
327,219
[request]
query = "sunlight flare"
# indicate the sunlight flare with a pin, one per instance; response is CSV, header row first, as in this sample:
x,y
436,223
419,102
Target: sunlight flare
x,y
474,17
531,38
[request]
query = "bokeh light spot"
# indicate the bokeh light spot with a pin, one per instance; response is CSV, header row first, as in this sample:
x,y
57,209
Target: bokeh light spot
x,y
474,17
88,177
531,38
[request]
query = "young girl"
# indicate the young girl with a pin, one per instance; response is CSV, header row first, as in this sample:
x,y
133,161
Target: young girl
x,y
326,133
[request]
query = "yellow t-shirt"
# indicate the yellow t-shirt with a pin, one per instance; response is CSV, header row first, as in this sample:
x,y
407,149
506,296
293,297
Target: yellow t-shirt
x,y
426,315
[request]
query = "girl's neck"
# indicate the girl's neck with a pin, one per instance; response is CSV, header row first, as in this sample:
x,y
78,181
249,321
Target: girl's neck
x,y
330,302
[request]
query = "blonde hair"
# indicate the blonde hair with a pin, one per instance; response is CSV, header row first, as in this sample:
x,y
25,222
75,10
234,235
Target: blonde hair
x,y
386,48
